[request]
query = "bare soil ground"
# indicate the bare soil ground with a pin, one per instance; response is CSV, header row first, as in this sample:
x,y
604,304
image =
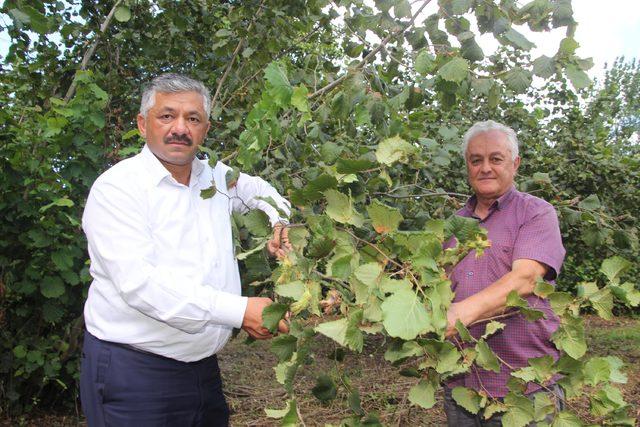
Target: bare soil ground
x,y
250,384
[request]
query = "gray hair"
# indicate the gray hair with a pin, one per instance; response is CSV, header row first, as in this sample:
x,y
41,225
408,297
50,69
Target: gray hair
x,y
489,125
173,83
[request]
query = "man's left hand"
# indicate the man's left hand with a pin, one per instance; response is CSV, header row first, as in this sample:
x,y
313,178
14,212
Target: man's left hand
x,y
279,244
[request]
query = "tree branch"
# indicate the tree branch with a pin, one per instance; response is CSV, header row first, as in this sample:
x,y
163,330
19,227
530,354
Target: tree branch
x,y
89,53
371,54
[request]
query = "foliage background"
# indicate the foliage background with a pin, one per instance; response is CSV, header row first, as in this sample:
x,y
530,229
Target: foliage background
x,y
70,88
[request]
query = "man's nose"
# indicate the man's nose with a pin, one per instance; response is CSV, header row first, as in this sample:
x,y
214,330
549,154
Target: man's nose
x,y
486,166
179,126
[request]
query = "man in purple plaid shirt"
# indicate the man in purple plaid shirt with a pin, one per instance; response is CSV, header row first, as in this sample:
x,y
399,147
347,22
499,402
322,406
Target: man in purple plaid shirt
x,y
525,246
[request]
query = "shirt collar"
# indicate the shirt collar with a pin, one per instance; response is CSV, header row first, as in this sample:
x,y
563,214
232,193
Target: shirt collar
x,y
501,202
157,172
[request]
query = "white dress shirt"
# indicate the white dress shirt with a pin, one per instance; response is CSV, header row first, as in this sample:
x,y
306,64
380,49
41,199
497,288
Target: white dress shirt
x,y
165,277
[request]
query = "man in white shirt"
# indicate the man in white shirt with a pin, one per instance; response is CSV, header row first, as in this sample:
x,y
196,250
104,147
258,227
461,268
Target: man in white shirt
x,y
166,290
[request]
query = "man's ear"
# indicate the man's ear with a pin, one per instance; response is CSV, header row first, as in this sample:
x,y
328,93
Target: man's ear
x,y
142,125
516,163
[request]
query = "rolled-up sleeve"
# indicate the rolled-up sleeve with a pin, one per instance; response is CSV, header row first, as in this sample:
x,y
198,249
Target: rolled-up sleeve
x,y
249,193
539,239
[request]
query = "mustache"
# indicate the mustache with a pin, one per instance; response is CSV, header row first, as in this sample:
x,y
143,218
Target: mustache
x,y
178,138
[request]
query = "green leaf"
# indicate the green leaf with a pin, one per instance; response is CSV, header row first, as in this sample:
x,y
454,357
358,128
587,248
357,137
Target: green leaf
x,y
579,79
518,79
272,314
369,274
425,62
208,193
517,40
340,208
280,87
615,267
384,219
543,289
423,394
62,201
258,223
596,370
20,351
284,346
325,389
394,149
486,358
570,337
344,331
52,287
37,21
231,177
293,290
465,335
400,350
347,166
299,98
456,70
122,14
402,9
491,328
544,67
566,419
288,415
467,398
520,411
602,301
404,316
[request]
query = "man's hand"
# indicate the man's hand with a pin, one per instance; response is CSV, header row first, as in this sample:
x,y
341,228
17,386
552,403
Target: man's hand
x,y
453,315
279,244
252,321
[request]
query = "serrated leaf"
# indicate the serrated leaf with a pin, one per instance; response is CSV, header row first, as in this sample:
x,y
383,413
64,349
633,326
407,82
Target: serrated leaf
x,y
486,358
520,411
425,62
491,328
288,415
518,79
596,370
52,287
394,149
208,193
340,208
517,40
579,79
281,89
122,14
404,316
566,419
284,346
293,290
299,98
464,333
400,350
602,301
569,337
467,398
344,331
544,67
231,177
384,219
423,394
614,267
456,70
258,223
543,289
272,314
347,166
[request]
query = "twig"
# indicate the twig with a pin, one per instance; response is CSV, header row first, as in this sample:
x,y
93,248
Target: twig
x,y
89,53
371,54
214,100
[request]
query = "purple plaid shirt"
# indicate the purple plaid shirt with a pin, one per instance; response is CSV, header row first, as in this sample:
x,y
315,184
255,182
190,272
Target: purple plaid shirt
x,y
519,226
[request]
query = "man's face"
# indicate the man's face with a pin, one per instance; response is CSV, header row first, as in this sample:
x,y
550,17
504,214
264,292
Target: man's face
x,y
489,165
174,127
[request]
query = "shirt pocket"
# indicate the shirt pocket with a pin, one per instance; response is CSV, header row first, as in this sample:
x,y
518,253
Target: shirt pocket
x,y
499,261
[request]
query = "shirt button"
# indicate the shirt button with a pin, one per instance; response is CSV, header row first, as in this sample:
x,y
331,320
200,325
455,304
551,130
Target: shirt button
x,y
469,273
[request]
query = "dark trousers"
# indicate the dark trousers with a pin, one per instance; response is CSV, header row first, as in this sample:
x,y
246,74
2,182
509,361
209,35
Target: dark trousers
x,y
457,416
121,387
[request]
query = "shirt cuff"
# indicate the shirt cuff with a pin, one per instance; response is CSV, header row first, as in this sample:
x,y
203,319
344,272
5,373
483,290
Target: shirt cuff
x,y
230,309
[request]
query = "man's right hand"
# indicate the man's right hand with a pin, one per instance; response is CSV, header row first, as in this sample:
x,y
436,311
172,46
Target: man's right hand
x,y
252,321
